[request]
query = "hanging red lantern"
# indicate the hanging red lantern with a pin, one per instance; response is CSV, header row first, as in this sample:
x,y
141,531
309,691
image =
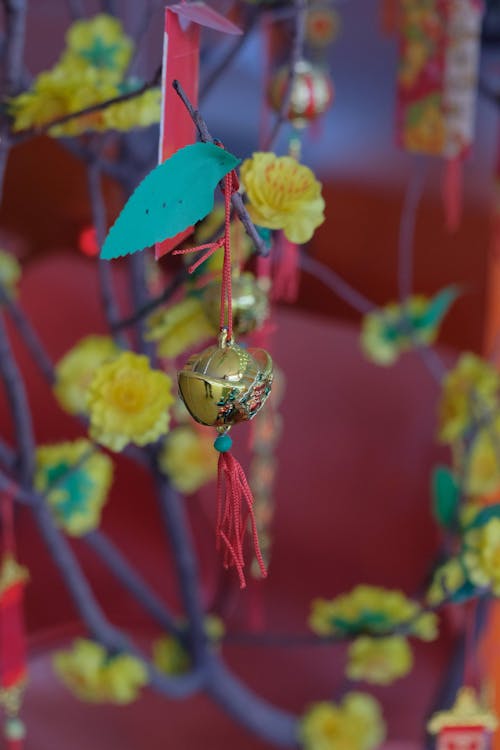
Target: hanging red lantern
x,y
467,725
312,92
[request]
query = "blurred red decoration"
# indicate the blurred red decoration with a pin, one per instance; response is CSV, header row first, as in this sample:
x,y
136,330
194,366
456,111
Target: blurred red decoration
x,y
311,95
87,242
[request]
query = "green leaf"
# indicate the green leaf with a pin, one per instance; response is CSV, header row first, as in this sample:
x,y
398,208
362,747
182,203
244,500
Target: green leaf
x,y
446,496
172,197
437,308
466,591
485,515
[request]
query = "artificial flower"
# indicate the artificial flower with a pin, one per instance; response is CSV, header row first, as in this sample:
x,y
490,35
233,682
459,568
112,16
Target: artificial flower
x,y
169,656
393,329
179,327
75,478
355,724
101,43
189,458
283,194
10,272
128,402
481,465
75,370
448,578
370,609
139,112
379,661
94,675
482,555
470,393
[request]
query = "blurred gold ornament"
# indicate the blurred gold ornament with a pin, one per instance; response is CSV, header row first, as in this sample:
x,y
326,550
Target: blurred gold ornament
x,y
467,711
250,303
225,384
312,92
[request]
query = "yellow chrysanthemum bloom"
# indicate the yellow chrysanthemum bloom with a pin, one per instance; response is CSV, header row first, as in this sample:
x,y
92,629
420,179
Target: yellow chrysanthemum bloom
x,y
101,43
169,656
179,327
384,332
140,112
447,579
370,609
482,467
75,479
470,391
379,661
128,402
283,194
482,555
189,458
355,724
75,371
10,272
96,676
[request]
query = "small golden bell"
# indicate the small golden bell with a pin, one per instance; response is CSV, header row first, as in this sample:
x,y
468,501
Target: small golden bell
x,y
225,384
312,92
250,303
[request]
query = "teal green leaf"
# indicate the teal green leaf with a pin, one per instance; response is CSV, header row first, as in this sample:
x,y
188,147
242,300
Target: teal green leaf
x,y
445,496
437,308
466,591
265,235
485,515
172,197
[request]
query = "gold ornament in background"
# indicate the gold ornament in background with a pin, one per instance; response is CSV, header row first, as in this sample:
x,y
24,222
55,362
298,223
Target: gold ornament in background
x,y
467,711
250,303
225,384
312,92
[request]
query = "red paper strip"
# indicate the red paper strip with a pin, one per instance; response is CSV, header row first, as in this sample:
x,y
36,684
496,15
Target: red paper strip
x,y
12,640
202,14
181,55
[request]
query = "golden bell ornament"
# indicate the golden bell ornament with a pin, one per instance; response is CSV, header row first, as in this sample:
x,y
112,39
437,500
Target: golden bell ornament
x,y
312,92
250,303
225,384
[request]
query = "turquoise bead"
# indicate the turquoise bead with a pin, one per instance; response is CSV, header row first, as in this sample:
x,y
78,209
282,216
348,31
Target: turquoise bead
x,y
223,443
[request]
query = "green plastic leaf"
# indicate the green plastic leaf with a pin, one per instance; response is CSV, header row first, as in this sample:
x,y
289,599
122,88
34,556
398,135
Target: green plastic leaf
x,y
485,515
437,308
172,197
446,496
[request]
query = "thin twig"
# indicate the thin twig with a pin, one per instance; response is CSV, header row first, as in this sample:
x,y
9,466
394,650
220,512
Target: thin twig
x,y
152,304
112,558
296,53
75,8
236,200
336,284
29,335
18,403
15,25
413,195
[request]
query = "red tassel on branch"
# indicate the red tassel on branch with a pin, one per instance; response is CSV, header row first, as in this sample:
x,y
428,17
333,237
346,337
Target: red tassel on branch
x,y
286,271
234,509
453,192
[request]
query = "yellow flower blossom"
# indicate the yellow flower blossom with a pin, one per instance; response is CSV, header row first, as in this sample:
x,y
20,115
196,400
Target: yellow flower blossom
x,y
101,43
10,272
379,661
355,724
470,391
482,466
169,656
76,369
128,402
139,112
283,194
482,555
385,334
75,479
96,676
179,327
370,609
189,458
447,579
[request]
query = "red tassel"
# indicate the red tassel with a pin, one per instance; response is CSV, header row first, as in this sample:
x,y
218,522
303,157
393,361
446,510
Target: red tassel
x,y
453,192
286,271
234,508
